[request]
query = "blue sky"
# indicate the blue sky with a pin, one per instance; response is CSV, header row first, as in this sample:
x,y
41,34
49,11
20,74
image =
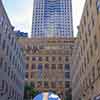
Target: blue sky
x,y
20,13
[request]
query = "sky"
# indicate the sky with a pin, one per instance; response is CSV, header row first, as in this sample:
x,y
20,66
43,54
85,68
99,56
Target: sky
x,y
20,13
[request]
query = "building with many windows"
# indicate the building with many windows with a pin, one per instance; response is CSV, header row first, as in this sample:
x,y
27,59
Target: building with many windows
x,y
52,18
88,62
48,64
12,64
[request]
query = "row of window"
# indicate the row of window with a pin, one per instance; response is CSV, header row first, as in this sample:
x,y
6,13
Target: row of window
x,y
61,8
87,16
47,84
48,66
10,54
39,75
90,52
10,72
12,63
93,75
9,91
53,58
62,27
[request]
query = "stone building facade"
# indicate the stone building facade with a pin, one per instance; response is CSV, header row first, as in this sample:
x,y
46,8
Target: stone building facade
x,y
12,64
48,63
89,48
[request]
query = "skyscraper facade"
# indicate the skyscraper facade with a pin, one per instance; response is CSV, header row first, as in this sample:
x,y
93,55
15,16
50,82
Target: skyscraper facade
x,y
52,18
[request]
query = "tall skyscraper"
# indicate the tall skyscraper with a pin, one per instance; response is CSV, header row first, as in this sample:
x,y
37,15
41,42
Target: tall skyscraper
x,y
52,18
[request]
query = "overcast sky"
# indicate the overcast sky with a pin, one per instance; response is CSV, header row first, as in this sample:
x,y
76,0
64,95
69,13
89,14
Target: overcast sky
x,y
20,13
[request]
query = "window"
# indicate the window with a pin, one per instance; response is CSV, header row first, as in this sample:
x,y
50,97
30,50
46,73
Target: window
x,y
26,75
60,66
27,58
60,83
32,74
12,41
1,20
95,42
67,66
33,66
2,86
67,84
9,36
9,71
0,38
47,58
92,18
46,85
84,21
39,84
27,66
7,50
3,45
40,66
87,58
53,58
39,74
91,50
67,75
98,67
5,67
1,62
6,87
53,66
40,58
87,12
86,38
12,75
46,66
90,3
29,48
33,58
66,58
53,84
60,58
93,73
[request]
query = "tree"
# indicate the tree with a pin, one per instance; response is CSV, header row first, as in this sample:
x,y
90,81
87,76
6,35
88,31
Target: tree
x,y
68,97
30,92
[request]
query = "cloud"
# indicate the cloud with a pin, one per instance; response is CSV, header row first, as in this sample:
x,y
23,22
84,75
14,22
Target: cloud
x,y
22,20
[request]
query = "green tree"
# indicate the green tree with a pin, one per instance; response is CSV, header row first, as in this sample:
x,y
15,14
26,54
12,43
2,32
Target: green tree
x,y
68,97
30,92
